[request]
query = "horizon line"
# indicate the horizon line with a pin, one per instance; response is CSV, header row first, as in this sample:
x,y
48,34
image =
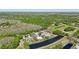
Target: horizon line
x,y
39,10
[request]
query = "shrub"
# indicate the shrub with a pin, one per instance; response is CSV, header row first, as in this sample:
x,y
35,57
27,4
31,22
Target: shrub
x,y
76,34
26,45
69,29
11,45
58,32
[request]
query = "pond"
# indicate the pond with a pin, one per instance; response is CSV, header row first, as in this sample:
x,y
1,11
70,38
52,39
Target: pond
x,y
44,43
67,46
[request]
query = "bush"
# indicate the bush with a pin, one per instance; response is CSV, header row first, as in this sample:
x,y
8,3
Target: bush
x,y
76,34
69,29
58,32
26,45
58,46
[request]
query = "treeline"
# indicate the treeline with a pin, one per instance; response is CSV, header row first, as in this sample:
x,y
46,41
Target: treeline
x,y
44,20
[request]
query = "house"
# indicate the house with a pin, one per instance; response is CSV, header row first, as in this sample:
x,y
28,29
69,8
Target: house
x,y
29,38
37,35
32,36
45,34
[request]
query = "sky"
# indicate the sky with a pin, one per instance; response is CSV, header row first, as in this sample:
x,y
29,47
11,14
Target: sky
x,y
39,4
39,10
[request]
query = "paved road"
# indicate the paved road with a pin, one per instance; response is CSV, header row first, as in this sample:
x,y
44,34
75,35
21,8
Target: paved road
x,y
44,43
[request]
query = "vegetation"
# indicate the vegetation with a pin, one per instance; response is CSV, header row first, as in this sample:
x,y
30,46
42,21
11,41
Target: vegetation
x,y
69,29
76,34
5,24
58,32
58,46
11,45
26,45
13,24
